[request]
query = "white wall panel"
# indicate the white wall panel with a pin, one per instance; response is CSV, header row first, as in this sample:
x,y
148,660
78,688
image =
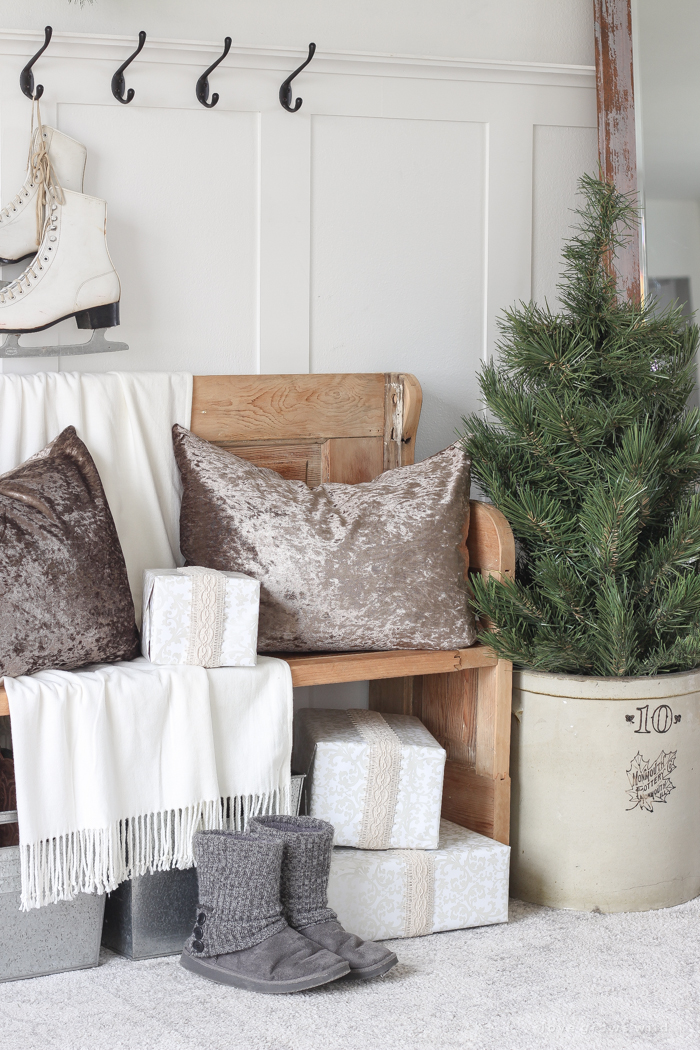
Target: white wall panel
x,y
560,156
538,30
182,232
384,226
397,271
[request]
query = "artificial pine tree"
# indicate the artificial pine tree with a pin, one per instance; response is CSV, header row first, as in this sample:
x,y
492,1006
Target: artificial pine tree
x,y
594,458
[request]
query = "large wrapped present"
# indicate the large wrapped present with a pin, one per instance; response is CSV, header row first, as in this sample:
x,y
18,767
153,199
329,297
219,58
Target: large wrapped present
x,y
377,778
407,893
200,616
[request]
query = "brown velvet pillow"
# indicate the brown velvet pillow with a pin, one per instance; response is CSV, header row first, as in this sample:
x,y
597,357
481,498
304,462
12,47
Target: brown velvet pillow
x,y
64,593
342,567
9,833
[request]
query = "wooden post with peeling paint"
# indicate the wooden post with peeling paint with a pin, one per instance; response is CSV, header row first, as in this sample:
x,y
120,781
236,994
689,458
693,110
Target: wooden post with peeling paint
x,y
617,149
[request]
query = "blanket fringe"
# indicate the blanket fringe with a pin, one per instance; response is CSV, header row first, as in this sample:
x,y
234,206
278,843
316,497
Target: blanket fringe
x,y
97,860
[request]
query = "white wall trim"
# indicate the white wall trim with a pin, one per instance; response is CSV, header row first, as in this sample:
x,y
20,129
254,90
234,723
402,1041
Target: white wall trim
x,y
358,63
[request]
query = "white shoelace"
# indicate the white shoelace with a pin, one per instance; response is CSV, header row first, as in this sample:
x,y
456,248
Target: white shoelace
x,y
23,282
40,172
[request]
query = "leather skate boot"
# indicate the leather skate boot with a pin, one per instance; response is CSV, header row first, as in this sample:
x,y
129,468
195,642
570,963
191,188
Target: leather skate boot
x,y
308,845
240,937
55,161
71,275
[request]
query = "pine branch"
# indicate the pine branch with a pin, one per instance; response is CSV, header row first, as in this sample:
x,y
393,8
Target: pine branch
x,y
614,640
611,519
678,550
562,585
507,601
672,604
683,654
589,450
540,519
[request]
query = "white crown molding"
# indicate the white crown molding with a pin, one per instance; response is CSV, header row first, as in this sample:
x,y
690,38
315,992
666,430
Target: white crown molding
x,y
197,52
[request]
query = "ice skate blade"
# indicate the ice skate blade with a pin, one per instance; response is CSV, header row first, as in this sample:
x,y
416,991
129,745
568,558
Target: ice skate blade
x,y
22,258
96,344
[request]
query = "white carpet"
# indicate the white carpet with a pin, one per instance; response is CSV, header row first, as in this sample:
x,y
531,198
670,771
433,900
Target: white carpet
x,y
547,980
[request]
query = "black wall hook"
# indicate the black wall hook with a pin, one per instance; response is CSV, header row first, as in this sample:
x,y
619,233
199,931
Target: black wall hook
x,y
118,82
286,89
202,88
26,77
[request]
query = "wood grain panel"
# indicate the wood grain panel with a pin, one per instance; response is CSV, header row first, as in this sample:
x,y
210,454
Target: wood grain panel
x,y
449,710
296,407
475,802
493,719
617,149
490,541
352,460
295,461
392,696
324,668
348,460
412,403
393,420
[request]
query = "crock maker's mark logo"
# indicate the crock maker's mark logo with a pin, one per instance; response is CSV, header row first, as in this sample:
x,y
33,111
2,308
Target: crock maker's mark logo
x,y
650,781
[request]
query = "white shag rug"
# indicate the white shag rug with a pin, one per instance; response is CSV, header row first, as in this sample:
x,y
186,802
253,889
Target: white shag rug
x,y
549,980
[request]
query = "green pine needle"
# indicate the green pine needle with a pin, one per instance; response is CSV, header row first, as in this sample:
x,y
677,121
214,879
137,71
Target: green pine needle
x,y
590,451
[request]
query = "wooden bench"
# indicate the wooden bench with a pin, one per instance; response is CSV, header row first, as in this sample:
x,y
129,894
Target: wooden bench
x,y
350,428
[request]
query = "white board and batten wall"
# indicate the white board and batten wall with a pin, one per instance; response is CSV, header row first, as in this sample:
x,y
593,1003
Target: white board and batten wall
x,y
383,227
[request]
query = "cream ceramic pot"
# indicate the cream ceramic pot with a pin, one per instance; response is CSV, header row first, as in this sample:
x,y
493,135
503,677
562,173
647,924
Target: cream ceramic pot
x,y
605,773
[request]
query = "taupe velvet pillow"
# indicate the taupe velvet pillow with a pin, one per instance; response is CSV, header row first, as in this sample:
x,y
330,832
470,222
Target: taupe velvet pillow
x,y
341,567
64,593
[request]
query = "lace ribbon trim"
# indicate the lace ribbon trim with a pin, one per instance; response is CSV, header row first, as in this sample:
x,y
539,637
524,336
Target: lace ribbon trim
x,y
382,778
207,615
419,902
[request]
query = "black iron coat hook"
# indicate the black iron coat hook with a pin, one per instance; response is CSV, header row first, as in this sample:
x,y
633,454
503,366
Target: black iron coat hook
x,y
286,89
202,88
26,77
118,82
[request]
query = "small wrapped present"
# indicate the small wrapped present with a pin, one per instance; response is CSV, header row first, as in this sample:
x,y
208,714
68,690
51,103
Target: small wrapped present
x,y
408,893
377,778
200,616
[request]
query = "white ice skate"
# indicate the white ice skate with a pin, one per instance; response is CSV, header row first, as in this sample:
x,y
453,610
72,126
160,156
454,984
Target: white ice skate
x,y
72,275
55,161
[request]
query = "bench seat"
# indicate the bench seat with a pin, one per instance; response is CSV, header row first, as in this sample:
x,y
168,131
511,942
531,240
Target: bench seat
x,y
328,668
350,428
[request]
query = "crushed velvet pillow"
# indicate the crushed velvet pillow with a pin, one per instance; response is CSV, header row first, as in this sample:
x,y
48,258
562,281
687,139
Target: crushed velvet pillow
x,y
64,593
378,565
9,833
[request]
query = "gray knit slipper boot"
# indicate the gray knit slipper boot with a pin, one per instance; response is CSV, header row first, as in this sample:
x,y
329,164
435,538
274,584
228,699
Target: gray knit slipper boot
x,y
308,845
240,937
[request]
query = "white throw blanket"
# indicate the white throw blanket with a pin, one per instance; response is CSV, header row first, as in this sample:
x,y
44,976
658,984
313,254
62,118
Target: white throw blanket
x,y
117,765
125,419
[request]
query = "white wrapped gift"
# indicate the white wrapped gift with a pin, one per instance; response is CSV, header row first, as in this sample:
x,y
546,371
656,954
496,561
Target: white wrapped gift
x,y
200,616
408,893
377,778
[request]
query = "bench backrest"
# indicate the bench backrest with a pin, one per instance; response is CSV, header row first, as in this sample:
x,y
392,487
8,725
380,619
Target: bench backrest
x,y
348,427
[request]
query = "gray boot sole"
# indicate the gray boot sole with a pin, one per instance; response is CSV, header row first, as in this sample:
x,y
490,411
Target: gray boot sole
x,y
208,968
367,972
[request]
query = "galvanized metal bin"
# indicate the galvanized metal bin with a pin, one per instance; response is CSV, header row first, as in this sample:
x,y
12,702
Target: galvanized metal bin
x,y
153,915
63,936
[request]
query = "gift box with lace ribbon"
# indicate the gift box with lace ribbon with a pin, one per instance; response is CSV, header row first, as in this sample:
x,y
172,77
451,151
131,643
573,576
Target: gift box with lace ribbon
x,y
377,778
410,892
200,616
